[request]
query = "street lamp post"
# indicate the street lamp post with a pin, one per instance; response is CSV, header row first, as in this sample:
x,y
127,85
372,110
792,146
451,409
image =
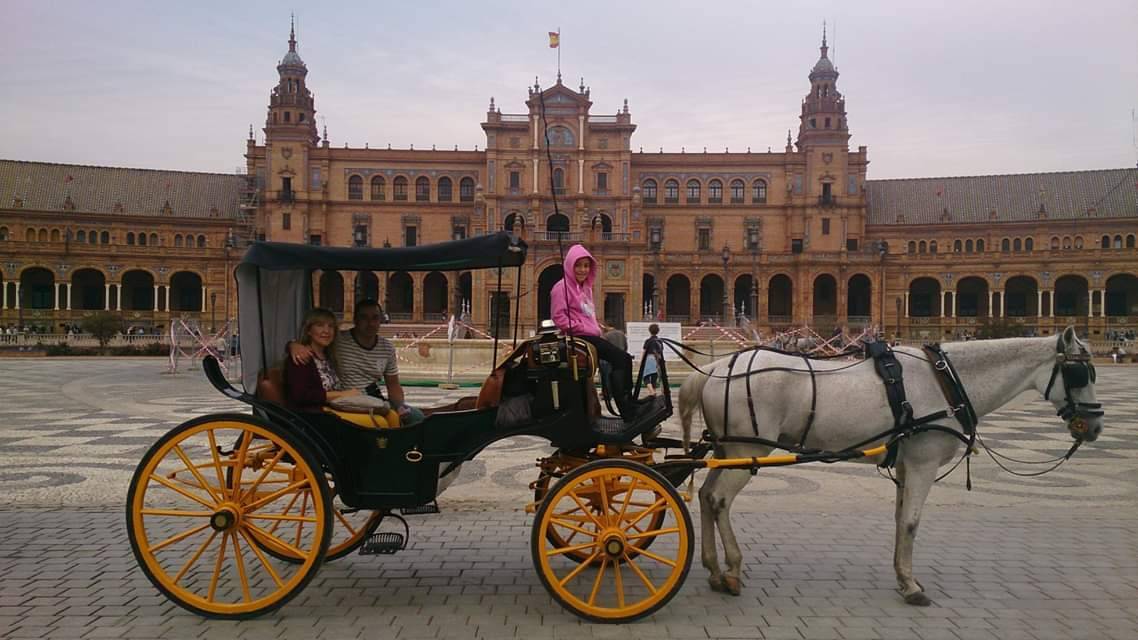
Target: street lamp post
x,y
726,254
212,311
655,240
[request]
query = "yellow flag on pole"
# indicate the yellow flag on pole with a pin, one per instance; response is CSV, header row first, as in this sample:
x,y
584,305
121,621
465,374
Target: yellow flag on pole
x,y
554,39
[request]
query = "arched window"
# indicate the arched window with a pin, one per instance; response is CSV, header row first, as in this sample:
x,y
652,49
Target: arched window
x,y
1005,245
922,247
154,239
142,239
1078,242
422,189
1105,242
932,246
4,233
378,188
446,193
511,219
1066,242
355,188
1117,242
957,246
968,246
648,191
55,237
1055,243
79,237
30,235
105,237
980,246
715,192
178,240
912,246
130,238
466,190
759,192
92,236
693,191
201,242
1029,245
400,185
671,192
1130,241
737,190
560,136
559,181
1017,245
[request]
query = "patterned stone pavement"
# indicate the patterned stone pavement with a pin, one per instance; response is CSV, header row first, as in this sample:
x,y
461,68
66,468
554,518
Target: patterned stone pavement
x,y
1049,557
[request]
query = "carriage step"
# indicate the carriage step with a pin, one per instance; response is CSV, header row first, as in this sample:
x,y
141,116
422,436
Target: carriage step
x,y
422,510
664,443
383,544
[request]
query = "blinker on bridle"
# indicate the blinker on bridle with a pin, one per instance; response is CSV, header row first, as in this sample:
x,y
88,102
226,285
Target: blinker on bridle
x,y
1076,371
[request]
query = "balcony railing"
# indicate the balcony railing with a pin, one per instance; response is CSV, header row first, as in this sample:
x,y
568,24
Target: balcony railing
x,y
603,119
288,196
563,236
616,236
828,201
514,117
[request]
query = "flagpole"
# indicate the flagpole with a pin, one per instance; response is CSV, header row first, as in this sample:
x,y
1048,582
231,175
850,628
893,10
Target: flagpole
x,y
559,52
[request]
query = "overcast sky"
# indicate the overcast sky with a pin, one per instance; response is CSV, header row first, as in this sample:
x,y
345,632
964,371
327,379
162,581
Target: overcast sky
x,y
932,88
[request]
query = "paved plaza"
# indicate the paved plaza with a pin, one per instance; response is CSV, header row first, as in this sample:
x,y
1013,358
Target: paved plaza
x,y
1048,557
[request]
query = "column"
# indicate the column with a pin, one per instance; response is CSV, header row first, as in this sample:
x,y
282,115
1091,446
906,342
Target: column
x,y
944,305
107,296
535,173
952,304
1102,303
69,296
167,298
991,303
1003,296
906,304
17,307
205,296
118,296
1039,303
1051,302
156,297
1090,303
3,294
55,290
581,175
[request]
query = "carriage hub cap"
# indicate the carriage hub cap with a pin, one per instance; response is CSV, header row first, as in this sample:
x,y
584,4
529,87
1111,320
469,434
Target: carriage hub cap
x,y
614,545
223,519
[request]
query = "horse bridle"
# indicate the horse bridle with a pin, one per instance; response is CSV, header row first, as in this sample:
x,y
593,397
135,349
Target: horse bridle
x,y
1076,371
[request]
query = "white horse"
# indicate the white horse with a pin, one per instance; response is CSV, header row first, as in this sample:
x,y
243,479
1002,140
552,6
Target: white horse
x,y
852,407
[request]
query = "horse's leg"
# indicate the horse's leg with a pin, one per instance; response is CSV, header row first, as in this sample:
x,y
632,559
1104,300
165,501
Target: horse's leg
x,y
730,484
915,479
707,512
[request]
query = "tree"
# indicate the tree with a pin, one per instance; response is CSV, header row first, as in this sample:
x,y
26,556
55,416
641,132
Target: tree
x,y
103,326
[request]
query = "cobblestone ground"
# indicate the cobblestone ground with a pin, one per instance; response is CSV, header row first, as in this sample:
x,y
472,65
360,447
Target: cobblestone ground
x,y
1049,557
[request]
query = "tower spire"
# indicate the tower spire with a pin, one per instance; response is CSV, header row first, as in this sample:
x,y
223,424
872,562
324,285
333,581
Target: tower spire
x,y
824,47
292,32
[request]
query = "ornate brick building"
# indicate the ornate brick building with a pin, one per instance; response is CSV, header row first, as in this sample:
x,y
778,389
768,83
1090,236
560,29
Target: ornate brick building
x,y
789,238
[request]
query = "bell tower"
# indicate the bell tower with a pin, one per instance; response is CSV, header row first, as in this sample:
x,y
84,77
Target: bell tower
x,y
292,110
823,119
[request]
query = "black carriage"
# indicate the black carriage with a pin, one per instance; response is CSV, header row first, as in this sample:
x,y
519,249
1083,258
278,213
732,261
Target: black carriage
x,y
231,515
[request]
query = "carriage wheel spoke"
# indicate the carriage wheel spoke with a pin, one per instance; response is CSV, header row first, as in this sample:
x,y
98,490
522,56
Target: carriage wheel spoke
x,y
197,474
619,584
585,509
294,487
603,511
574,528
252,491
281,518
258,532
216,460
344,521
303,511
194,558
170,485
572,549
640,574
241,569
288,507
176,513
217,569
657,558
627,498
242,453
597,581
659,506
653,533
177,538
579,568
261,557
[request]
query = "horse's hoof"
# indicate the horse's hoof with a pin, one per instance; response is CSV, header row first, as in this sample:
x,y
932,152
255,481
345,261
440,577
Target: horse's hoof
x,y
918,599
734,586
716,584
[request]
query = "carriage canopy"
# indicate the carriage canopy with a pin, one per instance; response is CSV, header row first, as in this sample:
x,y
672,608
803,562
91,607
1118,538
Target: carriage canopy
x,y
274,283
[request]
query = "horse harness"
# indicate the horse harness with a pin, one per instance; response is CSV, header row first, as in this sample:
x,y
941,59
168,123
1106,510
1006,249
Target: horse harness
x,y
1076,371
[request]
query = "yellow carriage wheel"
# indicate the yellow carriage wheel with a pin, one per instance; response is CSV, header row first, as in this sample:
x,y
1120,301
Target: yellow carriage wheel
x,y
618,581
199,516
350,527
561,538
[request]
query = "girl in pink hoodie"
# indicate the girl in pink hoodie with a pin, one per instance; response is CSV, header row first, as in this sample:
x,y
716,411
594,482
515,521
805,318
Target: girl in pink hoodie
x,y
575,314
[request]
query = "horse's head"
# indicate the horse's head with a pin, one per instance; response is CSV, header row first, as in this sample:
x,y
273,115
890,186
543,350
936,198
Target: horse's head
x,y
1071,387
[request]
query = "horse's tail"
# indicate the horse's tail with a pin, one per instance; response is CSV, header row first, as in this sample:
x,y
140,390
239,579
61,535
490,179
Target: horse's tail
x,y
691,398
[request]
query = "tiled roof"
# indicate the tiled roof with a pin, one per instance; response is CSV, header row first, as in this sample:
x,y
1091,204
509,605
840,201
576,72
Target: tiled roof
x,y
1109,193
135,192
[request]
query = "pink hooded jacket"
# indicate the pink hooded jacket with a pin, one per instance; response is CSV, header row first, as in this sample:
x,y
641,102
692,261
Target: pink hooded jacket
x,y
572,304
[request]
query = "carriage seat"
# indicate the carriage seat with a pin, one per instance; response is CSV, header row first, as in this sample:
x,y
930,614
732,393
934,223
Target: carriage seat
x,y
271,386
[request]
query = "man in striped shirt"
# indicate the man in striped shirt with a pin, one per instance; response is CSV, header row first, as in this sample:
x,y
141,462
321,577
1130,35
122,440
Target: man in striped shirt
x,y
363,358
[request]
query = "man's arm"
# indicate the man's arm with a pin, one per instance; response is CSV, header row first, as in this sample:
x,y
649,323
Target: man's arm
x,y
299,353
394,390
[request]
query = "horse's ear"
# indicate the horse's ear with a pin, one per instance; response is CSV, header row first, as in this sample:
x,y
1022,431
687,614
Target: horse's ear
x,y
1069,336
